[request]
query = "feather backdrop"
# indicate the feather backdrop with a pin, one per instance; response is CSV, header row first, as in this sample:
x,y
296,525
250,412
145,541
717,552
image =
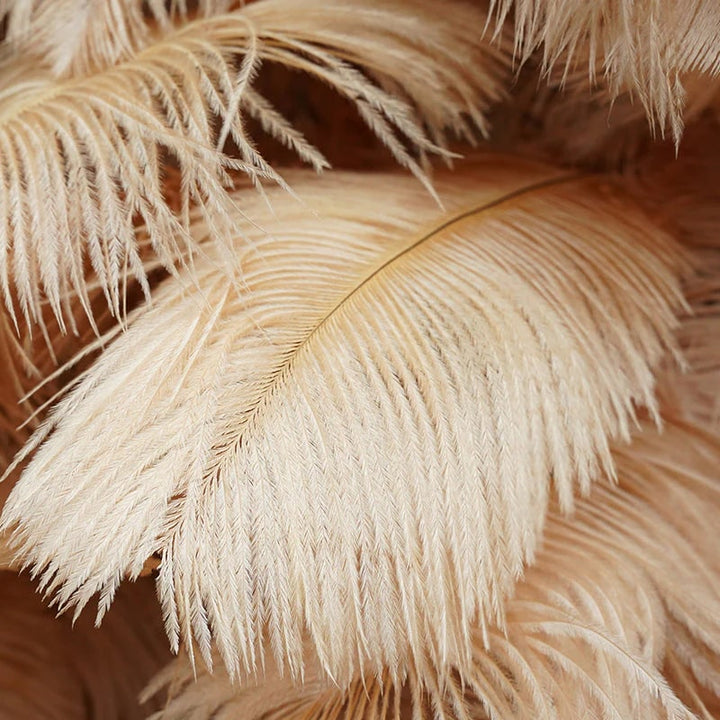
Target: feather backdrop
x,y
76,671
646,48
73,37
393,442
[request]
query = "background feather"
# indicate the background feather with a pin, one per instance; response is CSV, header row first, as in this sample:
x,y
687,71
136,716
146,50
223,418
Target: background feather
x,y
73,37
624,588
644,47
355,437
695,393
93,151
592,128
682,194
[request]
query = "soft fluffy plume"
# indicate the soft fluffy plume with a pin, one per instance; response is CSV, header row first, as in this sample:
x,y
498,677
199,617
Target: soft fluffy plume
x,y
74,37
505,339
93,151
641,47
622,594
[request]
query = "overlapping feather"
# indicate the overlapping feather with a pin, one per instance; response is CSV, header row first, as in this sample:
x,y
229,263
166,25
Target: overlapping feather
x,y
354,439
683,194
622,592
590,127
92,151
76,37
642,47
343,447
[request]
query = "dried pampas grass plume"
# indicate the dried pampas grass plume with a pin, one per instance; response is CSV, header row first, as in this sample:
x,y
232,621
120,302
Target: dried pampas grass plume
x,y
624,592
504,339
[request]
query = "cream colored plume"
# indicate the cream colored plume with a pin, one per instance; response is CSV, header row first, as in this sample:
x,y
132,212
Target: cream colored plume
x,y
92,151
684,195
644,47
622,593
80,36
354,439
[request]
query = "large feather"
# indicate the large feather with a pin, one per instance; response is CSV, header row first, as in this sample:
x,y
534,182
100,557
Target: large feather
x,y
625,588
695,393
355,439
684,194
592,126
91,152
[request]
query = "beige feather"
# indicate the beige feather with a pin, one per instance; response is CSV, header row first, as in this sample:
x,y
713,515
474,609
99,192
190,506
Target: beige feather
x,y
35,367
74,37
92,151
12,413
626,587
355,438
593,127
644,47
695,393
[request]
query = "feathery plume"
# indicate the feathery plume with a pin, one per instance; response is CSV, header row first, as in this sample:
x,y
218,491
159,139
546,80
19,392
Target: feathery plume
x,y
354,437
622,593
92,151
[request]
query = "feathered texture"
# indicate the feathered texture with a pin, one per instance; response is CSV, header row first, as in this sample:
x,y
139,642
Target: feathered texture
x,y
351,422
683,193
93,151
52,670
12,413
695,394
591,128
354,438
74,37
625,588
641,47
35,367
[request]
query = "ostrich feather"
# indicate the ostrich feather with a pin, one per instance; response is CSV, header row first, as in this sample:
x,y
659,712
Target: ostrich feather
x,y
644,47
625,588
683,191
593,127
12,413
74,37
354,438
50,669
92,151
36,366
